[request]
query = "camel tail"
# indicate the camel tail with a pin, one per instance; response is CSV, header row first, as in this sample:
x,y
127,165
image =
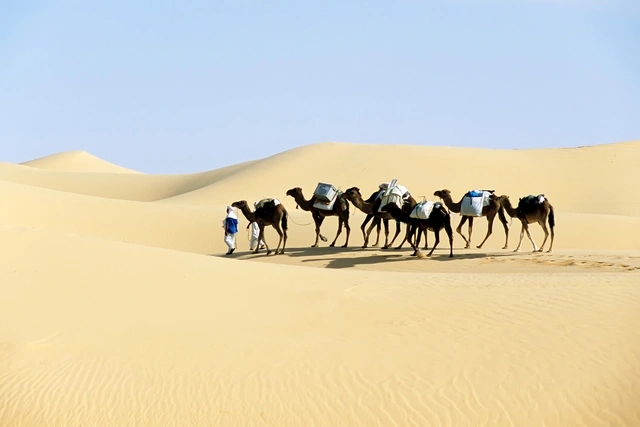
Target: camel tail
x,y
552,217
285,220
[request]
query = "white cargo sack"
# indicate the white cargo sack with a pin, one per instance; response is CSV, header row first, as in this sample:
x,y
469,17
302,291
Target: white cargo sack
x,y
473,202
422,210
393,193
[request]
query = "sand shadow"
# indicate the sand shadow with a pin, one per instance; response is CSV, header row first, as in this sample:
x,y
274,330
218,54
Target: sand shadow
x,y
368,255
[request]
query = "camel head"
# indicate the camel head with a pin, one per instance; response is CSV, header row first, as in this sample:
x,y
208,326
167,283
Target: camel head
x,y
502,198
239,204
352,192
294,191
442,193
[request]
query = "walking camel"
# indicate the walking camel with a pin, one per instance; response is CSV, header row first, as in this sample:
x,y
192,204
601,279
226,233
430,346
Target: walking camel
x,y
529,211
342,212
370,207
275,216
438,219
375,223
488,211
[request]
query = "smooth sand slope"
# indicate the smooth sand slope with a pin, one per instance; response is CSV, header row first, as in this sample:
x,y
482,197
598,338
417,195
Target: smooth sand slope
x,y
119,307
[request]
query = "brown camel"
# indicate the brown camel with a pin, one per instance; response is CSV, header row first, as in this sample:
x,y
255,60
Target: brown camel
x,y
528,212
275,216
488,211
370,207
438,219
375,223
339,210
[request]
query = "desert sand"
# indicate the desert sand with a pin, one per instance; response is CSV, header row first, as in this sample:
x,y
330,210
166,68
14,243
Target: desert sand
x,y
119,307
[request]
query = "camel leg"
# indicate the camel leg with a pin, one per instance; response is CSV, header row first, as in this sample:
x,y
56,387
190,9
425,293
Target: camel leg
x,y
418,237
348,229
385,222
365,236
546,233
490,219
406,236
366,242
378,227
459,231
338,233
318,220
551,225
436,231
426,244
447,228
535,247
517,249
284,240
398,229
411,229
505,224
276,225
263,240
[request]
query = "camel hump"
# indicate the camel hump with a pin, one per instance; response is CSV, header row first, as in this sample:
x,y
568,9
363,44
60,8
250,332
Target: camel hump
x,y
531,201
266,203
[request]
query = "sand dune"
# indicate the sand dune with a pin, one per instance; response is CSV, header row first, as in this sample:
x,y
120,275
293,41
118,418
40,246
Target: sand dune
x,y
111,183
114,312
76,161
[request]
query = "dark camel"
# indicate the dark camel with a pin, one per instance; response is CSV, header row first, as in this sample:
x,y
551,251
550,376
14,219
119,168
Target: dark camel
x,y
319,214
275,216
529,213
371,208
488,211
438,219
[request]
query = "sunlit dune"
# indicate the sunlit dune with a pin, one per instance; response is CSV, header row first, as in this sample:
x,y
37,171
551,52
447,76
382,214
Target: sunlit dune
x,y
119,306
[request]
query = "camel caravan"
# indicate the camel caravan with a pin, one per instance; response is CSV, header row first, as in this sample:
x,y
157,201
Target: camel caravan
x,y
392,201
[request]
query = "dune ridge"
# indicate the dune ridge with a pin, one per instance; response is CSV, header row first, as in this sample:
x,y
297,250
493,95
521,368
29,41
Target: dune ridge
x,y
76,161
119,307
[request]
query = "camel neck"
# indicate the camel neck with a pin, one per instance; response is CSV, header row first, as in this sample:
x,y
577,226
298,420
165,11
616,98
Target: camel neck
x,y
506,203
304,204
366,207
250,216
453,207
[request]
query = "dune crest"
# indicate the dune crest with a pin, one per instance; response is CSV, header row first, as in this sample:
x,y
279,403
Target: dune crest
x,y
76,161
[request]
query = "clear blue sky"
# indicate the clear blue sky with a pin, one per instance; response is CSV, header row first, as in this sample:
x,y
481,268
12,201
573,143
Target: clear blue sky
x,y
205,84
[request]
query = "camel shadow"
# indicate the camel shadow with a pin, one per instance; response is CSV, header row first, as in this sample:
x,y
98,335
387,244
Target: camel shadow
x,y
462,255
369,255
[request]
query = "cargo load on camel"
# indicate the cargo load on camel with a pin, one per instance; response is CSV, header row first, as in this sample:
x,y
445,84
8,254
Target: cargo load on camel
x,y
530,201
423,209
473,202
392,192
265,204
326,196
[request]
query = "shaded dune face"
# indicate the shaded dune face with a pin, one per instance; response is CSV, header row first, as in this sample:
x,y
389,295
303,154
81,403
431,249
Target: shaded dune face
x,y
119,307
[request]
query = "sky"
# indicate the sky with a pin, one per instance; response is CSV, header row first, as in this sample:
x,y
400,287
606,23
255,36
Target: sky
x,y
183,87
